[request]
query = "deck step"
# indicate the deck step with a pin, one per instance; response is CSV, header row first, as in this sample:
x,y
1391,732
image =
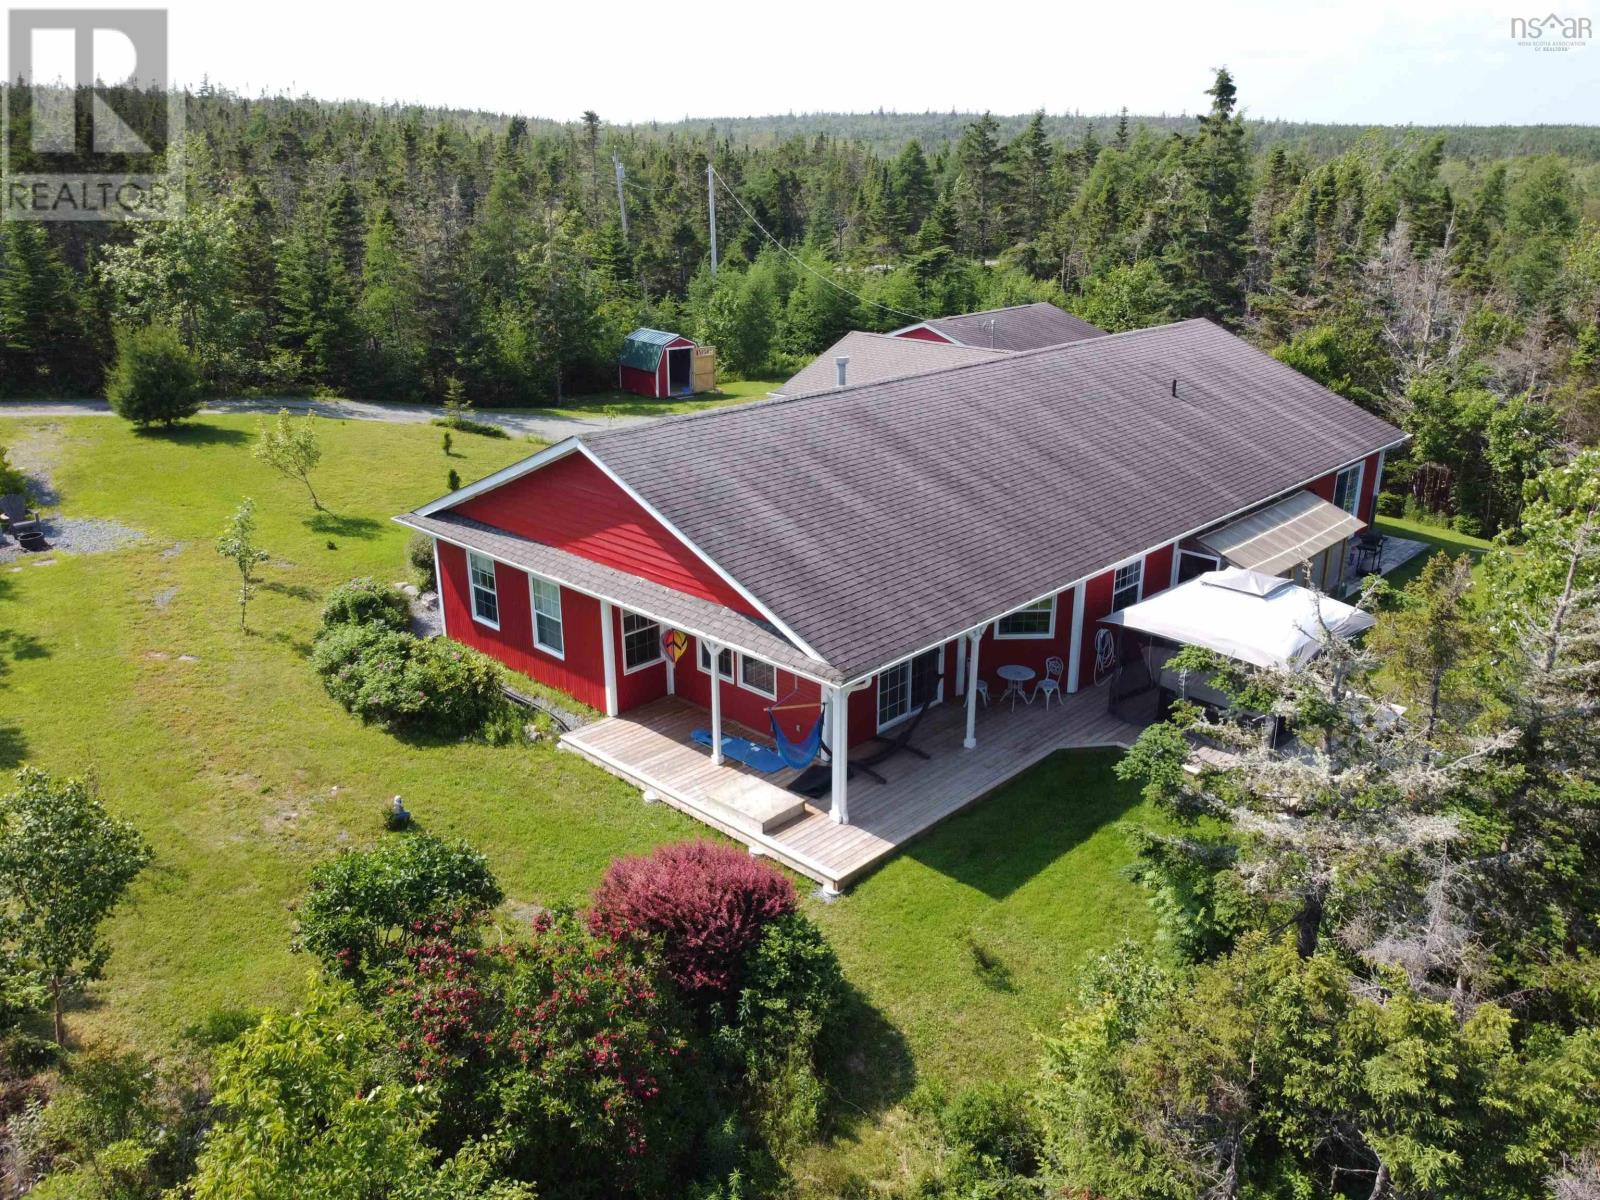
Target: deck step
x,y
744,803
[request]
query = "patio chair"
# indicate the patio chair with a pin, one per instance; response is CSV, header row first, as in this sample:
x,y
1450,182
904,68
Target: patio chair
x,y
983,691
901,742
816,781
1369,550
21,521
1050,685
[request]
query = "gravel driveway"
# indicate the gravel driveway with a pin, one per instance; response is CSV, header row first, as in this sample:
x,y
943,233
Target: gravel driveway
x,y
545,427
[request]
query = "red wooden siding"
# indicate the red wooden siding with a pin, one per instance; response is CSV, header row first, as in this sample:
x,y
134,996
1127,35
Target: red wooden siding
x,y
1323,487
640,383
635,687
921,334
573,505
1368,509
996,652
744,706
580,672
1096,604
1158,569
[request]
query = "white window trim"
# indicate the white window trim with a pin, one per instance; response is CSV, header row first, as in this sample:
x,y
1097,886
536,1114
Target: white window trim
x,y
750,687
1360,468
905,664
1216,560
1138,591
472,590
533,616
622,629
1049,632
701,661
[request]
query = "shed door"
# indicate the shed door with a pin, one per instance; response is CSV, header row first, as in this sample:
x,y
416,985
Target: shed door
x,y
680,370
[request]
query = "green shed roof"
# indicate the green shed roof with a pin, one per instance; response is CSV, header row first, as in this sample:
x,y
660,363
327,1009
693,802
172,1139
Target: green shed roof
x,y
643,347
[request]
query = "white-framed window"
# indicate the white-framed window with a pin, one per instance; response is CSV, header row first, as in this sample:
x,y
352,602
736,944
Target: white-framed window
x,y
1036,620
1347,488
758,677
1127,585
724,662
1196,562
907,686
548,634
485,599
641,642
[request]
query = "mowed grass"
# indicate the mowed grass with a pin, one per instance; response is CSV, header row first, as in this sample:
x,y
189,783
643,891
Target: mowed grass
x,y
225,751
1441,539
617,403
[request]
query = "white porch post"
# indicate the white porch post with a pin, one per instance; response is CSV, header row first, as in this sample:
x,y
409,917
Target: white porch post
x,y
608,654
961,665
714,656
972,689
840,743
1075,651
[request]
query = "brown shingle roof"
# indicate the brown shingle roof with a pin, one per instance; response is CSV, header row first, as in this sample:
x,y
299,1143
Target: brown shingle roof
x,y
878,519
1021,327
875,357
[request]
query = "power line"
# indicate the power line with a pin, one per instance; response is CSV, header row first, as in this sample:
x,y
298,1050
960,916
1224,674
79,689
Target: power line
x,y
800,262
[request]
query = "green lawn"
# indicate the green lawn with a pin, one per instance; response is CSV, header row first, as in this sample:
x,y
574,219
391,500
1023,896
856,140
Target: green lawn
x,y
625,404
242,773
1447,540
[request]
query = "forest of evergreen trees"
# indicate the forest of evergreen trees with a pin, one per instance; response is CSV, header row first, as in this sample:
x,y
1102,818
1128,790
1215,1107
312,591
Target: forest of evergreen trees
x,y
1448,279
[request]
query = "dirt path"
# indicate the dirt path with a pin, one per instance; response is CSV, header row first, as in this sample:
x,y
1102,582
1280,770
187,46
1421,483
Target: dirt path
x,y
545,427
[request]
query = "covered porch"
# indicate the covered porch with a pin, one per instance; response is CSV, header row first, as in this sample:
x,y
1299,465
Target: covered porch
x,y
651,748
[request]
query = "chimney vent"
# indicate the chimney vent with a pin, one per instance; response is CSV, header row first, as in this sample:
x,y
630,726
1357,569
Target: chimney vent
x,y
1174,385
842,364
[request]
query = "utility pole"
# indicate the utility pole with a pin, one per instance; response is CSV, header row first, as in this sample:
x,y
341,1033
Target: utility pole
x,y
711,205
622,203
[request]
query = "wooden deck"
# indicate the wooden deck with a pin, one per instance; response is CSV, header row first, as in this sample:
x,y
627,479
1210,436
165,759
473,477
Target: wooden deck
x,y
650,747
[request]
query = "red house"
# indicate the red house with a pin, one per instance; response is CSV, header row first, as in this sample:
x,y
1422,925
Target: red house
x,y
879,558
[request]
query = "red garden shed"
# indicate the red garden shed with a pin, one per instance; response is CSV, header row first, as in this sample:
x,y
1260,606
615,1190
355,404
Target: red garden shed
x,y
657,363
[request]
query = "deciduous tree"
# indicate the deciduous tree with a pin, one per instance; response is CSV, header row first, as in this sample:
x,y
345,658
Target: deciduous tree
x,y
65,864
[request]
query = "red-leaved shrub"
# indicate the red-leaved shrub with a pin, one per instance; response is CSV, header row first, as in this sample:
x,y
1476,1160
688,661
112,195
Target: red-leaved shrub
x,y
707,903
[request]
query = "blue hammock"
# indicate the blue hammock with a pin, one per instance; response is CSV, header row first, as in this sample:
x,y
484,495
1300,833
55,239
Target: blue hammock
x,y
797,754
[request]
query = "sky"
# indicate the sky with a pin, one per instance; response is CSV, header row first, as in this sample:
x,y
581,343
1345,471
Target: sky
x,y
1355,61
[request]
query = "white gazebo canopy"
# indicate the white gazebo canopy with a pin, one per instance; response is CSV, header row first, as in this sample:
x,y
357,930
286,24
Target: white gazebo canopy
x,y
1256,618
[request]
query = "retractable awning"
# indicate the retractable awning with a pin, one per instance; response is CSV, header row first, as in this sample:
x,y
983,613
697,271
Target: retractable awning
x,y
1276,538
1247,615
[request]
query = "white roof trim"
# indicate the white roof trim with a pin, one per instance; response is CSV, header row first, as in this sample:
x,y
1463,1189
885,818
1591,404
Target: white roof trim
x,y
660,517
488,483
571,445
948,340
628,605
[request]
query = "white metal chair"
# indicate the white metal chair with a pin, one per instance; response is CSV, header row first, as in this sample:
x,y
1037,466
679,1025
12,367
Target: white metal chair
x,y
1050,685
983,691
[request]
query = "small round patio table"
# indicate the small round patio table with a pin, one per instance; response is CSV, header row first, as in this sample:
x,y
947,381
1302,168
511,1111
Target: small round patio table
x,y
1016,676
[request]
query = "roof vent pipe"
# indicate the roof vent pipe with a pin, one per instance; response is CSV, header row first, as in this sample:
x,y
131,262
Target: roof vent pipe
x,y
1174,385
842,365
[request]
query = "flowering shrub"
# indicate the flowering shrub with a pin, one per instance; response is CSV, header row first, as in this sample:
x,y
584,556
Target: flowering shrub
x,y
595,1054
441,1000
365,906
706,903
401,682
366,602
